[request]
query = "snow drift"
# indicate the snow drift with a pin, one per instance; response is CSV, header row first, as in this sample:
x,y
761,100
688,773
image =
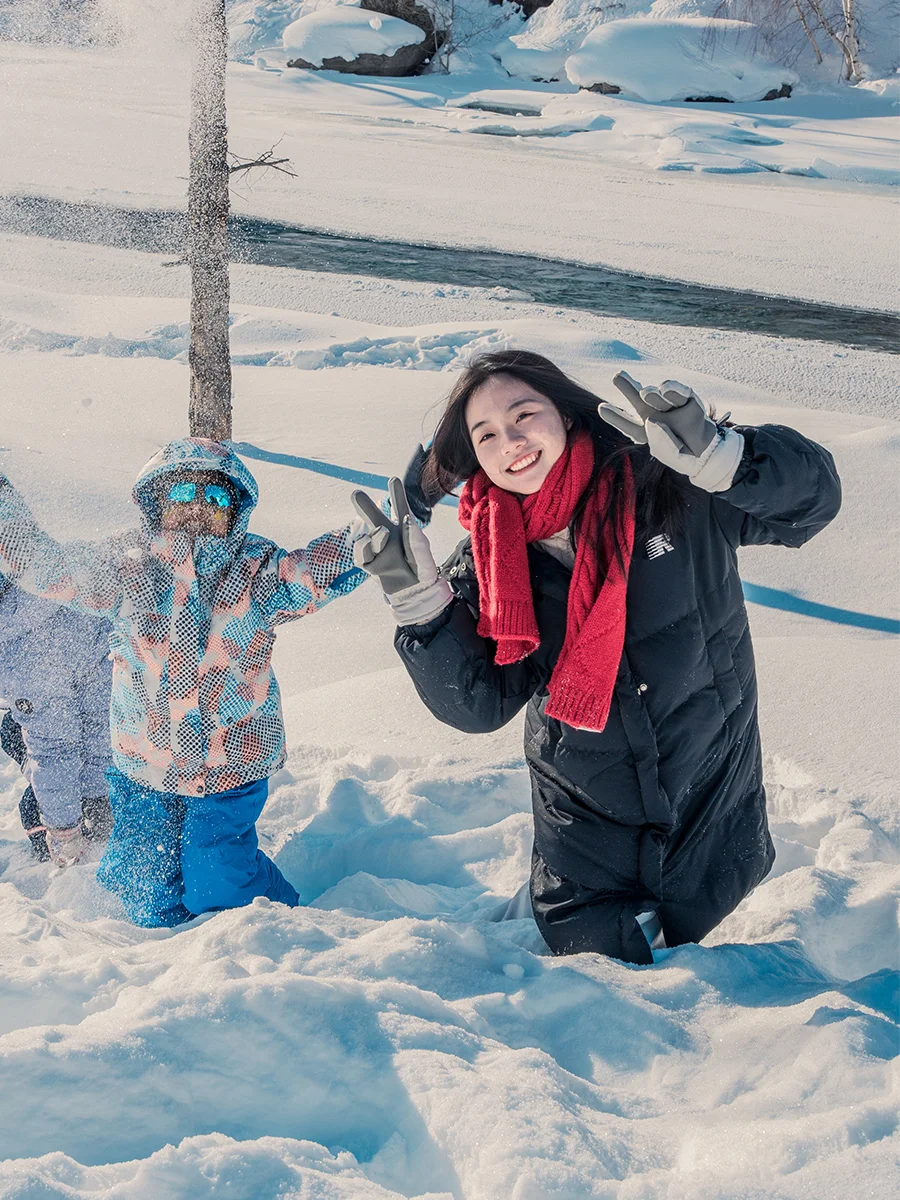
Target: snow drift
x,y
345,32
687,59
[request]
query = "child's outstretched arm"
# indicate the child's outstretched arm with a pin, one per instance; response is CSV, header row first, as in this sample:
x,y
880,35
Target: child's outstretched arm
x,y
85,576
302,581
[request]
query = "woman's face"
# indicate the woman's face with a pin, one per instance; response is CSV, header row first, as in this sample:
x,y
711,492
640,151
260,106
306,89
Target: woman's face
x,y
517,434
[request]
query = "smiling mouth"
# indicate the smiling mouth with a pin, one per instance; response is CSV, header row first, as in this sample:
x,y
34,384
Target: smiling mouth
x,y
523,463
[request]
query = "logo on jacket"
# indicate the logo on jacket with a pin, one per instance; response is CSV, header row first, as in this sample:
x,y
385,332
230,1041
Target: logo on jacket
x,y
25,707
658,546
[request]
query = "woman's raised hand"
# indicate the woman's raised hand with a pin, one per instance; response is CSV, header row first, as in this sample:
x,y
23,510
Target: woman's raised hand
x,y
676,427
397,552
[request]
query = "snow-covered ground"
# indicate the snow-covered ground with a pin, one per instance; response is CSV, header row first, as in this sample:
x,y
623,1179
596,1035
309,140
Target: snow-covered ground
x,y
586,177
389,1040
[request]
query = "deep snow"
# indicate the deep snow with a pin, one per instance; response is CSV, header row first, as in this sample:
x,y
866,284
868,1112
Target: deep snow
x,y
672,60
346,32
390,1040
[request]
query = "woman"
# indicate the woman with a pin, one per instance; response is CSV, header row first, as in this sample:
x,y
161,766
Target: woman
x,y
599,587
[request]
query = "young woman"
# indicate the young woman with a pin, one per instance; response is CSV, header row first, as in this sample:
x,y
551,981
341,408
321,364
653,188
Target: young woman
x,y
599,587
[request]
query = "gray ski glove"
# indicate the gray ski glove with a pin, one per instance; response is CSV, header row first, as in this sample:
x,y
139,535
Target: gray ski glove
x,y
676,427
396,550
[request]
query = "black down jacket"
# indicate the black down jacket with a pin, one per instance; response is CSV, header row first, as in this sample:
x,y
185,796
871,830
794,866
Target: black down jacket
x,y
665,809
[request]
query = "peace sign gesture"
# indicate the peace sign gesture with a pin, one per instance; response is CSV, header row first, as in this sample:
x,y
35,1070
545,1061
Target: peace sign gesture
x,y
675,425
388,549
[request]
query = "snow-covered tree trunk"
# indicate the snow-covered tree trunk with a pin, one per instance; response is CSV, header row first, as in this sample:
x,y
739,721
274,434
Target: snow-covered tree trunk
x,y
209,354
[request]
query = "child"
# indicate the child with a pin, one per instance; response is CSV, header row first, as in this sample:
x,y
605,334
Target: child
x,y
196,713
54,684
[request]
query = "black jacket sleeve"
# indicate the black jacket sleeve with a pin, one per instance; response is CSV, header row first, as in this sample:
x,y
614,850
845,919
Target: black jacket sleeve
x,y
454,672
786,489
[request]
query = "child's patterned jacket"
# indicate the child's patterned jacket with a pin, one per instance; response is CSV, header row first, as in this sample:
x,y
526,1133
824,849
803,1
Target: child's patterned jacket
x,y
195,705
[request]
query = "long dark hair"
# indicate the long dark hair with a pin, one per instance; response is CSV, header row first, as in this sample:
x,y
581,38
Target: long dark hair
x,y
659,492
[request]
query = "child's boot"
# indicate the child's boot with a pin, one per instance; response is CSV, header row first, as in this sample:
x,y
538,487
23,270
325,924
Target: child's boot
x,y
31,821
66,846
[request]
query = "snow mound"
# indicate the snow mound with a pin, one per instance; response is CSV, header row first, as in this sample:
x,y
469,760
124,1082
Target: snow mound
x,y
686,59
344,32
525,61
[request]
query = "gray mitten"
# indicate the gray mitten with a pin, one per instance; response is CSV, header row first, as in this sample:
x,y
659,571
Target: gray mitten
x,y
396,550
676,427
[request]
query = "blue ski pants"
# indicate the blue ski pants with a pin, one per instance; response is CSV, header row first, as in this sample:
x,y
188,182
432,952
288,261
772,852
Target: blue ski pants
x,y
170,857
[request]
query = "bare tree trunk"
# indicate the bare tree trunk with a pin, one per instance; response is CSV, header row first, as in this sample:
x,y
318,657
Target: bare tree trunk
x,y
808,31
851,41
851,60
209,355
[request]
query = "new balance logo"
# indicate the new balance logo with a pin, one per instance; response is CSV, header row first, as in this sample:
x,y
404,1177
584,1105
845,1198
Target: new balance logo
x,y
658,546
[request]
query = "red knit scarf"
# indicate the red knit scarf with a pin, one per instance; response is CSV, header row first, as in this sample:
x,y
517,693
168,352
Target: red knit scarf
x,y
502,524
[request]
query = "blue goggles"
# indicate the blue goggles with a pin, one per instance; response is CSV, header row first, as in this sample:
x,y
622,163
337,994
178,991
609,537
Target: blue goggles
x,y
186,493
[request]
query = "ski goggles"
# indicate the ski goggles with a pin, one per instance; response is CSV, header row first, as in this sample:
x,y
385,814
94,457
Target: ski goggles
x,y
212,493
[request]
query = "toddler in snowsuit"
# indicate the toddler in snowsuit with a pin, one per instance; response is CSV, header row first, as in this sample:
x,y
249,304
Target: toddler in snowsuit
x,y
196,715
54,684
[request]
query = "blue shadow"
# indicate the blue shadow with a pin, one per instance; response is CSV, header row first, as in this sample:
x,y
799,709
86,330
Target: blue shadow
x,y
754,592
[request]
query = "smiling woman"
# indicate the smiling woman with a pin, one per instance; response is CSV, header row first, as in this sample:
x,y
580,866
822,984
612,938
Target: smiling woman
x,y
599,588
517,433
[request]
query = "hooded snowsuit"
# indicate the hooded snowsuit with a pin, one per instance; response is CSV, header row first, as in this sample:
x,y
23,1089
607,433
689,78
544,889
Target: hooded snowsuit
x,y
664,810
195,712
55,683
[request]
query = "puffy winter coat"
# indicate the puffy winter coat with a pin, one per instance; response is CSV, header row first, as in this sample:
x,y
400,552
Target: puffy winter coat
x,y
55,681
666,805
195,706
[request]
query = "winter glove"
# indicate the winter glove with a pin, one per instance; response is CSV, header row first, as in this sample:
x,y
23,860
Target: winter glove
x,y
97,818
66,846
421,502
397,552
676,427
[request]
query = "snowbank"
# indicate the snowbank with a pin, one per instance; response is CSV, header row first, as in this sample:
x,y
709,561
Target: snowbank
x,y
345,32
525,61
687,59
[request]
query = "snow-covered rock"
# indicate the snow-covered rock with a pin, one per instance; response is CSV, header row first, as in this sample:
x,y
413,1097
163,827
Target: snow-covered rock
x,y
690,58
530,61
357,41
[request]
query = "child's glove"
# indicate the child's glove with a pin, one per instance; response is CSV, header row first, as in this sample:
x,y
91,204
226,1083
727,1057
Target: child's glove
x,y
66,846
420,501
96,818
676,427
397,552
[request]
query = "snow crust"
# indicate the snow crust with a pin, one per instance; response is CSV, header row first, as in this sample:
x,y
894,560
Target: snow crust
x,y
346,32
389,1040
681,59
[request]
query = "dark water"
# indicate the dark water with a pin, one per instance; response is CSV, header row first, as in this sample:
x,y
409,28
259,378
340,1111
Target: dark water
x,y
548,281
